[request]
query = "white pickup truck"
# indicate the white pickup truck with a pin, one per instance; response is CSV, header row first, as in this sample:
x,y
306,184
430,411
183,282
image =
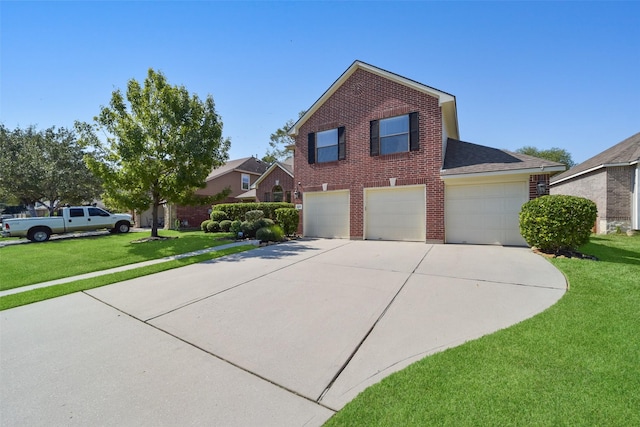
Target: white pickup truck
x,y
69,219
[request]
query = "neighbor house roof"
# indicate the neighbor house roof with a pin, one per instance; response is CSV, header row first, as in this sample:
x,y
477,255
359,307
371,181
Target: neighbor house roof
x,y
465,158
286,166
249,165
446,101
624,153
251,194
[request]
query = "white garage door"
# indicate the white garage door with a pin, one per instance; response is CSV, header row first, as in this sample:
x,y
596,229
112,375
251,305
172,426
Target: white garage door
x,y
326,214
395,213
485,213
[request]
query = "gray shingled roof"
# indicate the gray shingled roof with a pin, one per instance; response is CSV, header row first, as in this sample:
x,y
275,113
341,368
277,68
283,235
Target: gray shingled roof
x,y
467,158
246,164
625,152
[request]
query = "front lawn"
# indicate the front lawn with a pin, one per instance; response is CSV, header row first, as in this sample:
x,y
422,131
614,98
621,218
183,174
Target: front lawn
x,y
32,263
577,363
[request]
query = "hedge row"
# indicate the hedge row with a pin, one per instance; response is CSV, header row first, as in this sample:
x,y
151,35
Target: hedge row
x,y
237,211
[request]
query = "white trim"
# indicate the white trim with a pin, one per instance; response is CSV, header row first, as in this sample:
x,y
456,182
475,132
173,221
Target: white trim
x,y
530,171
443,97
268,171
635,208
595,168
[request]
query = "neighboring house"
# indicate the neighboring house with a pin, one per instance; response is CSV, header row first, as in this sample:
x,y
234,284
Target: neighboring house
x,y
277,183
237,175
612,180
378,156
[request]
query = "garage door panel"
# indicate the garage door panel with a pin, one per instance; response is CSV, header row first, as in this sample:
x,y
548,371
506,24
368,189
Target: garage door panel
x,y
484,213
397,213
326,214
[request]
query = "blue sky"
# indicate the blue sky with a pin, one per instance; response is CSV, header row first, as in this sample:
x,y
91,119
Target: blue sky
x,y
546,74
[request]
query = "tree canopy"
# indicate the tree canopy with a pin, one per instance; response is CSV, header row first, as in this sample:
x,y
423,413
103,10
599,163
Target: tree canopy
x,y
161,143
44,167
279,141
554,154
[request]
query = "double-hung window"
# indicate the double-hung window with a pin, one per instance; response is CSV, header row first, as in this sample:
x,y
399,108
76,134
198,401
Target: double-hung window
x,y
245,181
394,135
327,146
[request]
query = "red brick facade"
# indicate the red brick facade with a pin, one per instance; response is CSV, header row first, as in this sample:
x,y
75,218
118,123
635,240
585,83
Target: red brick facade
x,y
364,97
264,190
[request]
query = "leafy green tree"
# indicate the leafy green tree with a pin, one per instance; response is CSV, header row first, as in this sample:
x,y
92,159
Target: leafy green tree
x,y
554,154
161,144
44,167
279,141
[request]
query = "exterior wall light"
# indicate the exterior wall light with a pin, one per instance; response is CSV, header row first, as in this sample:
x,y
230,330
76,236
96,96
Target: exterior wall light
x,y
541,188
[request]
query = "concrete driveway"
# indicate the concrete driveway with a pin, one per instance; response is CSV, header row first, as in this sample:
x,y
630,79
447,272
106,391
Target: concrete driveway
x,y
283,335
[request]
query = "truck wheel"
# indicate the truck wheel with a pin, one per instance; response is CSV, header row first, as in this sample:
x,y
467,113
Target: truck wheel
x,y
39,234
122,227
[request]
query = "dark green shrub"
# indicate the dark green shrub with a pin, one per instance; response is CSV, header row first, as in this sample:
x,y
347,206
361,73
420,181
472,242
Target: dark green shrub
x,y
235,227
556,222
204,225
270,234
253,215
249,229
225,225
238,210
263,222
288,219
213,226
218,216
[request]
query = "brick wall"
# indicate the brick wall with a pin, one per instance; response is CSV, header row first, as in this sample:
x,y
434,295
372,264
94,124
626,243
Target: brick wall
x,y
362,98
533,185
194,215
266,185
592,186
619,190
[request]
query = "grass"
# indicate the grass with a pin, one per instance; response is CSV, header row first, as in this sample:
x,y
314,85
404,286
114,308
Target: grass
x,y
577,363
35,295
28,264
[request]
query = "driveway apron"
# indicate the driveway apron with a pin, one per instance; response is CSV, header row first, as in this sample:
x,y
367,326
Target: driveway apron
x,y
281,335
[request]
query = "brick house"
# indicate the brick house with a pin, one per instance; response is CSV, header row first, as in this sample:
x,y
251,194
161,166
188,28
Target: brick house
x,y
237,175
378,156
276,184
611,179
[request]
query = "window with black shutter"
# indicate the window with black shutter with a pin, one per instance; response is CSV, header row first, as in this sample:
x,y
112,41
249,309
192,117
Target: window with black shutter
x,y
394,135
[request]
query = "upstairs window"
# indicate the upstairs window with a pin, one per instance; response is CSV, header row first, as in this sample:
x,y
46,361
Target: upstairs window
x,y
394,135
245,181
327,146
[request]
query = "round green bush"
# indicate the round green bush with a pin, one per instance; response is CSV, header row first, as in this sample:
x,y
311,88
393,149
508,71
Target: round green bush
x,y
236,226
263,222
248,229
270,234
218,216
204,225
225,225
213,226
556,222
254,215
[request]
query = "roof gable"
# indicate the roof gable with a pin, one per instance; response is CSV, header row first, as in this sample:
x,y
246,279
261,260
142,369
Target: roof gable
x,y
462,158
626,152
446,100
287,168
249,165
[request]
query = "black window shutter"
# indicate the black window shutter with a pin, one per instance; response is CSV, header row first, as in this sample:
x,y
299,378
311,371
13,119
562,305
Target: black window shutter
x,y
342,148
374,138
312,148
414,134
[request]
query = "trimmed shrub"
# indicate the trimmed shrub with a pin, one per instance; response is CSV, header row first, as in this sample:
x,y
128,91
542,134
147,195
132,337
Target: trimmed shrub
x,y
288,219
238,210
213,226
235,227
270,234
248,229
253,215
204,225
225,225
264,222
218,216
556,222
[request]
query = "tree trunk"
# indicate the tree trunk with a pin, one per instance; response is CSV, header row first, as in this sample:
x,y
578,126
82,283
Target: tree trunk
x,y
154,218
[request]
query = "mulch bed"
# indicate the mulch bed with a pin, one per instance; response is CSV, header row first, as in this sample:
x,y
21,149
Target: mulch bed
x,y
565,253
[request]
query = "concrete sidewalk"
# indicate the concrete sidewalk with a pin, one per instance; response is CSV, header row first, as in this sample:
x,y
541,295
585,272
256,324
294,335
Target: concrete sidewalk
x,y
282,335
124,268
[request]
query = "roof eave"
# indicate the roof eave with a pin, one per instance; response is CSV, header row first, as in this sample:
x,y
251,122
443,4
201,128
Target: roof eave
x,y
528,171
268,171
593,169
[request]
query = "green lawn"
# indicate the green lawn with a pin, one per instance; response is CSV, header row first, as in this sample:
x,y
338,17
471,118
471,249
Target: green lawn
x,y
577,363
27,264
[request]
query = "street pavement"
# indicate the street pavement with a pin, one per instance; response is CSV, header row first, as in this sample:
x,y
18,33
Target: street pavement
x,y
283,335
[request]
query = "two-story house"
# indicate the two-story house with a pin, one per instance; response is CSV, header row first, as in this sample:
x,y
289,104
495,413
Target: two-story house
x,y
379,156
